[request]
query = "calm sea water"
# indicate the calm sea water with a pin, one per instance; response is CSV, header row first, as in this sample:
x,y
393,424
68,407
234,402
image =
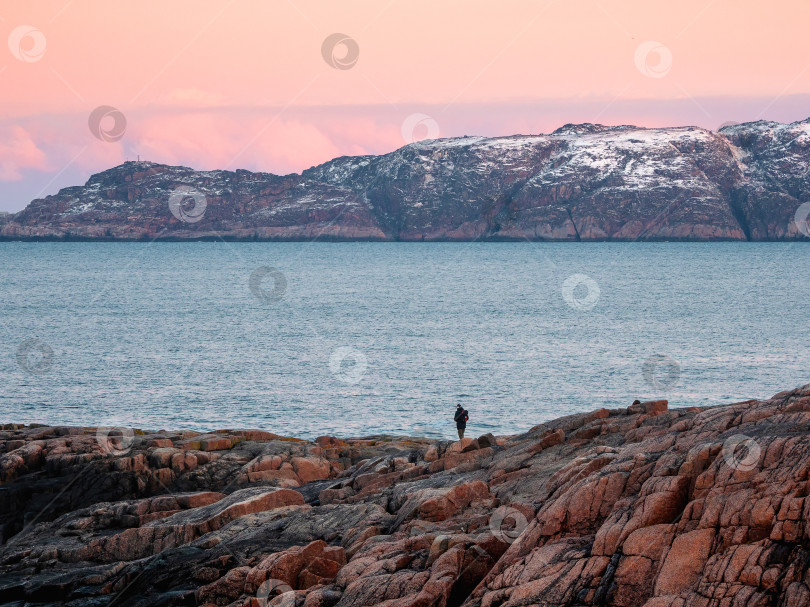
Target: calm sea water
x,y
361,338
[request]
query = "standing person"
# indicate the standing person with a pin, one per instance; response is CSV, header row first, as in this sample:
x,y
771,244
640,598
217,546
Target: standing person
x,y
461,417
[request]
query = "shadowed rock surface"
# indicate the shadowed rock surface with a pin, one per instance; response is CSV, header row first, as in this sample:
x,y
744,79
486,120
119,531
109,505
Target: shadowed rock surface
x,y
581,182
645,506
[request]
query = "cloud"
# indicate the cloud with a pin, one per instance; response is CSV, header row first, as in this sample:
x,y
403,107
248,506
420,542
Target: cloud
x,y
41,153
212,140
18,151
191,97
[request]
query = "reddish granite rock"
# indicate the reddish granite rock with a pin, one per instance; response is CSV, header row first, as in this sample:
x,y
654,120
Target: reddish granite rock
x,y
330,442
315,562
487,440
311,469
462,445
643,507
178,527
651,407
549,439
449,502
684,561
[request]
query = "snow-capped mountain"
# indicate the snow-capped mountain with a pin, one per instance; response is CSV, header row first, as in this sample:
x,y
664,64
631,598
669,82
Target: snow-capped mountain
x,y
581,182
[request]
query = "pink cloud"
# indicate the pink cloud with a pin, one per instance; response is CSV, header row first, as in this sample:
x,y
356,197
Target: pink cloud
x,y
18,151
291,146
190,96
198,139
255,140
42,153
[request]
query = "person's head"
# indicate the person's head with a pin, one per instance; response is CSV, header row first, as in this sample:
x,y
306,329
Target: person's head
x,y
636,402
458,406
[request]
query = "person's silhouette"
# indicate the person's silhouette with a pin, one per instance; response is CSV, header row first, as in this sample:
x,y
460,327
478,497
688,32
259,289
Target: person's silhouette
x,y
461,417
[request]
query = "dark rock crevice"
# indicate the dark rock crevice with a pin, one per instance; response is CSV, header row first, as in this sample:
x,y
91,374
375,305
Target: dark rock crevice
x,y
573,223
736,206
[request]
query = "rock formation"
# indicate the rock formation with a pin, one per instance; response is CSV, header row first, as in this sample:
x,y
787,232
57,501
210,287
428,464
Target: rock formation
x,y
645,506
582,182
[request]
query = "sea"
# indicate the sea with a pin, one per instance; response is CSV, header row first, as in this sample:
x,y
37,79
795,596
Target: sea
x,y
356,339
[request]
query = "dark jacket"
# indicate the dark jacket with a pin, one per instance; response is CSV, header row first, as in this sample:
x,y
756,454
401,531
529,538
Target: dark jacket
x,y
461,417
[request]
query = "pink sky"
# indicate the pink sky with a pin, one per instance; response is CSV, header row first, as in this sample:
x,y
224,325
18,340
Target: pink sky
x,y
243,84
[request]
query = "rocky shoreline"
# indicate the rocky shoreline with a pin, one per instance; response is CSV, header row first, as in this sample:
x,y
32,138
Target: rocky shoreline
x,y
644,506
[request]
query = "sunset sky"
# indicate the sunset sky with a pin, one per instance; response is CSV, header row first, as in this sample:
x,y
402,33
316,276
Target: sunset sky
x,y
248,84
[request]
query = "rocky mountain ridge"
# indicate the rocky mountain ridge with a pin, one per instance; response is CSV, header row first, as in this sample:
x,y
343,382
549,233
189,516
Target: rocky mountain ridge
x,y
582,182
643,506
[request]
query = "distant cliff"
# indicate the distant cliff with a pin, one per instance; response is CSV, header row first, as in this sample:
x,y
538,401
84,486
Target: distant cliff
x,y
582,182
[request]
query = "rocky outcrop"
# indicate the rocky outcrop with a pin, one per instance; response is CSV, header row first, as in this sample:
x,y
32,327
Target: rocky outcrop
x,y
648,506
581,182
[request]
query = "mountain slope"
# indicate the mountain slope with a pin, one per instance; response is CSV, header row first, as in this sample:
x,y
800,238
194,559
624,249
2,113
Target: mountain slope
x,y
581,182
